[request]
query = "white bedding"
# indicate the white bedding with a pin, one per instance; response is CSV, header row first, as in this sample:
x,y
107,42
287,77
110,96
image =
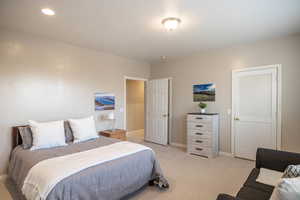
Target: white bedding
x,y
43,177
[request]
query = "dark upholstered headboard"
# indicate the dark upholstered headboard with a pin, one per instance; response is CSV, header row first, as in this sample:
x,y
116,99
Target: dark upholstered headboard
x,y
16,137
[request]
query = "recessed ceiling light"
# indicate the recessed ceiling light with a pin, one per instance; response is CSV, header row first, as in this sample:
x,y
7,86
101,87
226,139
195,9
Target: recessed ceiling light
x,y
171,23
48,11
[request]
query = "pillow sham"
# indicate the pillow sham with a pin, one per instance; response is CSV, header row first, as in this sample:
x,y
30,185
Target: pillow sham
x,y
292,171
269,177
26,136
47,134
83,129
287,189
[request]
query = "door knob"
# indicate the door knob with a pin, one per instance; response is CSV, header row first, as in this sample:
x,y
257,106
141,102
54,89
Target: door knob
x,y
165,115
236,119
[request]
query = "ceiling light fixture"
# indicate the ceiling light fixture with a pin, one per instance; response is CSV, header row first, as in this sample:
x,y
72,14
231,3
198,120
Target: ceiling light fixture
x,y
171,23
48,11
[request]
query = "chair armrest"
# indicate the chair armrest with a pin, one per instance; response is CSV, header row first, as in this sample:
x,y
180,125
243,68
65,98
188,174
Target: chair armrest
x,y
226,197
276,160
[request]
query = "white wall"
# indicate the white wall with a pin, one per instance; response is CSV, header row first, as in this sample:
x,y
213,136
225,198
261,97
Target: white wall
x,y
215,66
44,80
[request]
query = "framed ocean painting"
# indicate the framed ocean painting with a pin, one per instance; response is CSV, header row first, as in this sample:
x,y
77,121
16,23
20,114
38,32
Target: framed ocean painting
x,y
204,92
104,101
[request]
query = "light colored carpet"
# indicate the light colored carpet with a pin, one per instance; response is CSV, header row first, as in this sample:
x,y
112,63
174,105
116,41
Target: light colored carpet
x,y
190,177
4,193
137,136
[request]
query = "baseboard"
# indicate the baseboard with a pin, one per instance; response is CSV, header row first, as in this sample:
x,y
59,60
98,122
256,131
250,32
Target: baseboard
x,y
129,133
222,153
3,178
178,145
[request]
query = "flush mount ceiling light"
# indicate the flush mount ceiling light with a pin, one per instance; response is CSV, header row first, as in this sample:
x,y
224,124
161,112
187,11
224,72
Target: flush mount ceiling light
x,y
171,23
163,58
48,11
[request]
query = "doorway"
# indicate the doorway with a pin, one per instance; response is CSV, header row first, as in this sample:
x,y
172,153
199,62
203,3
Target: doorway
x,y
135,108
256,110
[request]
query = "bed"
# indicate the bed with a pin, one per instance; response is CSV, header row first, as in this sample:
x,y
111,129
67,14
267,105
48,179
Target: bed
x,y
114,179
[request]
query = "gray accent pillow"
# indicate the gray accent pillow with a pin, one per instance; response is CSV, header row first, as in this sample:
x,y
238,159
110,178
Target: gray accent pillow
x,y
26,136
292,171
68,132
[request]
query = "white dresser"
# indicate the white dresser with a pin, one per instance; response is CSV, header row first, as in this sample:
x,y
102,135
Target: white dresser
x,y
203,134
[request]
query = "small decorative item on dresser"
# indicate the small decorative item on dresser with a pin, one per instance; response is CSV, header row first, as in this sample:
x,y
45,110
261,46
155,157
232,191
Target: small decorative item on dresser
x,y
116,133
202,107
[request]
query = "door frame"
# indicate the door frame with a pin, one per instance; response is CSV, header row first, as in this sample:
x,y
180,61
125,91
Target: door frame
x,y
278,68
170,119
125,78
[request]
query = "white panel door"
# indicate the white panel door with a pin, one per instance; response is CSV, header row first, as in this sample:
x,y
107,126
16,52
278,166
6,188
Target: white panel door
x,y
255,107
157,111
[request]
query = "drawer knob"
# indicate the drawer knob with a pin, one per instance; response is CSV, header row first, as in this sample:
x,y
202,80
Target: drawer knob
x,y
199,133
198,149
199,141
199,118
199,126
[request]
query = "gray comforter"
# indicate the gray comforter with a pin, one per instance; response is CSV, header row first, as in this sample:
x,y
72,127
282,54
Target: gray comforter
x,y
111,180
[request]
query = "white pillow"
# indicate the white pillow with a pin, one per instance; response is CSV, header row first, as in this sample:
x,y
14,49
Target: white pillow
x,y
47,134
269,177
287,189
83,129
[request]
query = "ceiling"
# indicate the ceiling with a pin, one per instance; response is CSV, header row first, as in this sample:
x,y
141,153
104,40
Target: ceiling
x,y
133,28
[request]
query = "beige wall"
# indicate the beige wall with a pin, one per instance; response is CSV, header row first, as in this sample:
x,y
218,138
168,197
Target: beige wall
x,y
216,66
135,105
44,80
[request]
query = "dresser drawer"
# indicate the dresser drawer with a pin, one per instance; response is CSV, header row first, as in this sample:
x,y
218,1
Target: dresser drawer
x,y
199,118
201,151
196,141
199,133
199,126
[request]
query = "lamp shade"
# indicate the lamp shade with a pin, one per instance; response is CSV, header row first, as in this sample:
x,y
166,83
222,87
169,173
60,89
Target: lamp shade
x,y
111,116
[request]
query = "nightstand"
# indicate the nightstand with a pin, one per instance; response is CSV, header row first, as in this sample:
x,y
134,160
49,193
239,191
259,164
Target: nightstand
x,y
117,133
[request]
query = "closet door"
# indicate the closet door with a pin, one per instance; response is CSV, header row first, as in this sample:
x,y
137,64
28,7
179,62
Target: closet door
x,y
255,108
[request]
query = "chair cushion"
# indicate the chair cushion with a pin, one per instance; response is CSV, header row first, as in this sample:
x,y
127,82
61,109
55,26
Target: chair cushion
x,y
249,193
251,182
269,177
